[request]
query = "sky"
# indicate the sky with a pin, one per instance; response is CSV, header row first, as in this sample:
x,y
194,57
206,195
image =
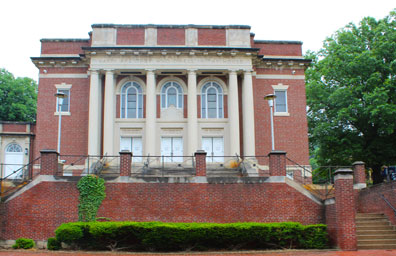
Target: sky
x,y
25,22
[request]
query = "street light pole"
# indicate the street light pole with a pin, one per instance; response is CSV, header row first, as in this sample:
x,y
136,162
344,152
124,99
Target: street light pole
x,y
60,96
270,98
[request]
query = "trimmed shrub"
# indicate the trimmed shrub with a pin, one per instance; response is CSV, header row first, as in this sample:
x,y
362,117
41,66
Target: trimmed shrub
x,y
53,244
158,236
24,243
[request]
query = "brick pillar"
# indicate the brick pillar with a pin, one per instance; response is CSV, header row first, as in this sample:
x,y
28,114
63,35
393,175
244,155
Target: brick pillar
x,y
277,163
125,163
200,163
49,162
345,209
359,173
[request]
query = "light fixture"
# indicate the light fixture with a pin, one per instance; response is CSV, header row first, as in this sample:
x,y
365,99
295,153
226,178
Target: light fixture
x,y
60,96
270,98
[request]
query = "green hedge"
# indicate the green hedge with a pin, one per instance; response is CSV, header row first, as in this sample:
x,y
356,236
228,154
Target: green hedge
x,y
158,236
24,243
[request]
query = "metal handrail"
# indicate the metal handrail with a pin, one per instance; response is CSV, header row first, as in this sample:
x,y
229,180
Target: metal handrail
x,y
389,204
1,179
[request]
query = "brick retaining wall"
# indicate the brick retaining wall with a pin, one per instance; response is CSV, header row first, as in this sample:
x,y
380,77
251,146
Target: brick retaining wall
x,y
38,211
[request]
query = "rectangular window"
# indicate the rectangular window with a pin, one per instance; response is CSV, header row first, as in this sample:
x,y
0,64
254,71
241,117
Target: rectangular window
x,y
172,149
214,147
281,101
65,107
134,145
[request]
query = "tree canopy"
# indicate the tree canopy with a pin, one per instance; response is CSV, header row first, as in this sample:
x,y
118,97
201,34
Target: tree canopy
x,y
18,98
351,96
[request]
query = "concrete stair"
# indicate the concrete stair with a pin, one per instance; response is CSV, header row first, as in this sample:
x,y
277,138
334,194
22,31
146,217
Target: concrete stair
x,y
374,231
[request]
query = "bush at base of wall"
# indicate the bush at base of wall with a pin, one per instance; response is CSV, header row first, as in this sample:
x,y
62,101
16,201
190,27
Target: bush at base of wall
x,y
23,243
158,236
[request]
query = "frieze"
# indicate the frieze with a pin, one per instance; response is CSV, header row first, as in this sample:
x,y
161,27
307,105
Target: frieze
x,y
181,61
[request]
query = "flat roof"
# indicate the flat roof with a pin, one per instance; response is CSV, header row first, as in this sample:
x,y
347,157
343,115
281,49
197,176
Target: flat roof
x,y
110,25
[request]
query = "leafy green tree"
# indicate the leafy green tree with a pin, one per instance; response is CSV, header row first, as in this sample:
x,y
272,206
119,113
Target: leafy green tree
x,y
18,98
351,96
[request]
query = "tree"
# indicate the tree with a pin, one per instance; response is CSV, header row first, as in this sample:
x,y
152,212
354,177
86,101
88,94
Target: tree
x,y
351,96
18,98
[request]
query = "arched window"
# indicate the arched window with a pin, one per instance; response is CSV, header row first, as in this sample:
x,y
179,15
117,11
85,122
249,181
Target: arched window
x,y
212,101
171,94
14,148
131,100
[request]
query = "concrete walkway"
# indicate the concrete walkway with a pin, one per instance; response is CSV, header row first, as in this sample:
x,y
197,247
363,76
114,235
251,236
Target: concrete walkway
x,y
247,253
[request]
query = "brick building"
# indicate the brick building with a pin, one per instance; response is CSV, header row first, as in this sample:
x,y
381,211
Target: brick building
x,y
171,90
175,92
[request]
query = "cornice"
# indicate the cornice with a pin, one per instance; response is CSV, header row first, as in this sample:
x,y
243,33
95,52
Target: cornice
x,y
58,61
186,51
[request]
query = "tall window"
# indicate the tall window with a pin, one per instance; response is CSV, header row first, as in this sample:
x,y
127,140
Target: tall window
x,y
131,100
281,101
212,101
65,107
171,94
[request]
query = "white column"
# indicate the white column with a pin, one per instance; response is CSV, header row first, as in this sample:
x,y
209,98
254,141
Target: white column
x,y
192,121
151,114
233,113
94,114
248,115
109,113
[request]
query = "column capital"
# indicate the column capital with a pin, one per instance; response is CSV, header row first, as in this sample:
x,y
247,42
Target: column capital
x,y
109,71
232,72
93,71
192,71
150,70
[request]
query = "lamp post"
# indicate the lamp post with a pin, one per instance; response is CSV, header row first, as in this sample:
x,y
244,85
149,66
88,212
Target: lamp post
x,y
270,98
60,96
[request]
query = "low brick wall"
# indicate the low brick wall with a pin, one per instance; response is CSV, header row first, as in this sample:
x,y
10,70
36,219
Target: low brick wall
x,y
331,222
370,201
37,212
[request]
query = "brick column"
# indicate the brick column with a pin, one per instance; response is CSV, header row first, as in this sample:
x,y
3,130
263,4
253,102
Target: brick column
x,y
359,174
345,209
277,163
200,163
125,163
49,162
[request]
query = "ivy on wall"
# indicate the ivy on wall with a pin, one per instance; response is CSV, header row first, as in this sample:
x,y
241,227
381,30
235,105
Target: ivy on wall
x,y
92,193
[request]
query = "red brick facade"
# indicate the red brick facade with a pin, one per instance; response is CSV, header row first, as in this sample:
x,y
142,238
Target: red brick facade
x,y
170,36
128,36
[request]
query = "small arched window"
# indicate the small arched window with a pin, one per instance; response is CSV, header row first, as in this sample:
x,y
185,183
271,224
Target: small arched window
x,y
212,100
14,148
131,100
171,94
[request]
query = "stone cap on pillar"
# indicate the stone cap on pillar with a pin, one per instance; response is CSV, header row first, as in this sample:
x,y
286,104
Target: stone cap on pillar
x,y
200,152
343,174
277,152
124,152
48,151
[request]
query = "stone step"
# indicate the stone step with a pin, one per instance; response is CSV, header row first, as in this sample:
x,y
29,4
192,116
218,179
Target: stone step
x,y
379,235
368,218
373,224
376,241
374,228
369,215
376,246
375,232
363,221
